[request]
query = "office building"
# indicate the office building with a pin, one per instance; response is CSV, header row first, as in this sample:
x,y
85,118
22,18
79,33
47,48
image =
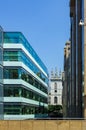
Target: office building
x,y
1,73
25,79
55,91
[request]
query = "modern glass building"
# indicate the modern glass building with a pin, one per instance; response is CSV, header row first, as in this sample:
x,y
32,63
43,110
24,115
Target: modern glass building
x,y
1,73
25,79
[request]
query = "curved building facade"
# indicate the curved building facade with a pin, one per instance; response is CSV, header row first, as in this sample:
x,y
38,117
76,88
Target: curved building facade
x,y
25,79
1,73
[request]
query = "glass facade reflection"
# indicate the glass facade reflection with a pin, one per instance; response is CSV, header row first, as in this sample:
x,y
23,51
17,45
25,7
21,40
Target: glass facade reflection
x,y
1,73
20,73
25,78
18,37
18,55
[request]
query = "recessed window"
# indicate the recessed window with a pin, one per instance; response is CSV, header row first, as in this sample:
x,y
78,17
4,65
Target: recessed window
x,y
55,87
55,100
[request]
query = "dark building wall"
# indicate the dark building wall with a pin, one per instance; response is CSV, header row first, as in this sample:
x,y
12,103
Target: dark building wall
x,y
84,58
73,58
76,59
66,80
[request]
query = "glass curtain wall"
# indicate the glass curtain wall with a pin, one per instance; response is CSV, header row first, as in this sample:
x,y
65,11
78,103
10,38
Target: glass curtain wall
x,y
1,73
34,89
18,37
18,55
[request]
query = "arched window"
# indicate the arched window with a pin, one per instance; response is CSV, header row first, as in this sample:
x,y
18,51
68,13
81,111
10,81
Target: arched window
x,y
55,100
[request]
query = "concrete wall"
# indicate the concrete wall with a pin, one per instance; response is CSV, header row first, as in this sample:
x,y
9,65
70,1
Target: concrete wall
x,y
43,125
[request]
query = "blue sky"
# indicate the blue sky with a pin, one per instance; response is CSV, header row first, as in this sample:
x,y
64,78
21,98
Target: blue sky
x,y
45,23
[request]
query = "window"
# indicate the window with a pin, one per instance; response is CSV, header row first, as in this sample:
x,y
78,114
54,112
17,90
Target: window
x,y
55,87
55,100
